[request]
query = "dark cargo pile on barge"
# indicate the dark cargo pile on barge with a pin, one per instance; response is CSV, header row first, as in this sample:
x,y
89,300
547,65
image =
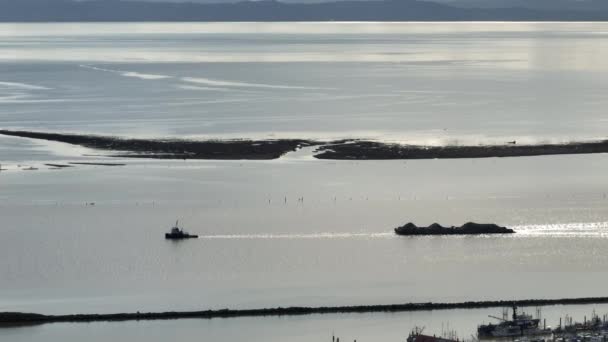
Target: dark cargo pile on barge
x,y
469,228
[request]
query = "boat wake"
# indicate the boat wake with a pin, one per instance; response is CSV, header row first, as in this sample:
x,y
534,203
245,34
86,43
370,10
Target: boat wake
x,y
599,229
581,229
237,84
211,84
22,86
296,236
128,73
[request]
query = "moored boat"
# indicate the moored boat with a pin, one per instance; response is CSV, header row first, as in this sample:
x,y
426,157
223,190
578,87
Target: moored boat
x,y
521,324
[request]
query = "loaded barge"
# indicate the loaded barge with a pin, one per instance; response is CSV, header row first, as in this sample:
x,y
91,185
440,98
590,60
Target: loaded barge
x,y
469,228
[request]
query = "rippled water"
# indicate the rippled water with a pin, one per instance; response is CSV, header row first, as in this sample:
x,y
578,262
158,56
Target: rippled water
x,y
262,247
415,82
259,245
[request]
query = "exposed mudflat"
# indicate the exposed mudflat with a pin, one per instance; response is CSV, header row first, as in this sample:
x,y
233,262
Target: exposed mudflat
x,y
97,164
369,150
273,149
58,166
173,149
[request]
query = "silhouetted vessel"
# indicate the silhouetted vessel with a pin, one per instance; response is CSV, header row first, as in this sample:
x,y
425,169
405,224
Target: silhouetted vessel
x,y
521,324
468,228
178,234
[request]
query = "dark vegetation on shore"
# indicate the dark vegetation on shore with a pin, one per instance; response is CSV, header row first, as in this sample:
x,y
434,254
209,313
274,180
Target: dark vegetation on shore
x,y
59,166
361,150
469,228
19,318
97,164
173,149
273,149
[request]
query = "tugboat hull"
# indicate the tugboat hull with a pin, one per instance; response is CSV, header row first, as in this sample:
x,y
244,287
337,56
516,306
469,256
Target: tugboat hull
x,y
180,236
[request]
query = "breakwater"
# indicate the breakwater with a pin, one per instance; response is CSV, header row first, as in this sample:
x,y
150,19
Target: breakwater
x,y
20,318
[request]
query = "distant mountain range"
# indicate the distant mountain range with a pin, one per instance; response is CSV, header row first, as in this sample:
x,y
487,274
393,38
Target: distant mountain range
x,y
268,10
584,5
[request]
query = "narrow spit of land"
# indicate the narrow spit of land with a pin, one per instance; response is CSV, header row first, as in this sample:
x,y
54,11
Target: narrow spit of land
x,y
370,150
173,148
97,164
20,318
273,149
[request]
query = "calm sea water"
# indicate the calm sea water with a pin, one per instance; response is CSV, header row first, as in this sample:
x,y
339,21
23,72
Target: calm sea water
x,y
416,82
260,246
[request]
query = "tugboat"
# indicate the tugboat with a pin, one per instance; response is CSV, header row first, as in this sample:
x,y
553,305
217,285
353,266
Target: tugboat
x,y
179,234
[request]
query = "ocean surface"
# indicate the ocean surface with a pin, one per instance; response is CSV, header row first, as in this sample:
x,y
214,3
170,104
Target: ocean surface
x,y
298,231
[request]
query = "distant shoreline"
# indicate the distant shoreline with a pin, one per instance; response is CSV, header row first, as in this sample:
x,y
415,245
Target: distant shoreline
x,y
276,11
174,148
603,19
273,149
370,150
20,318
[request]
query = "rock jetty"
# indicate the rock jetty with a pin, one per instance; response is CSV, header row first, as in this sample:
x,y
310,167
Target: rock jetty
x,y
469,228
21,318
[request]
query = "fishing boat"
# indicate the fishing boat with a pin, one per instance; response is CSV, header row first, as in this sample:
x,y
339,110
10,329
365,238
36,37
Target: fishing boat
x,y
520,324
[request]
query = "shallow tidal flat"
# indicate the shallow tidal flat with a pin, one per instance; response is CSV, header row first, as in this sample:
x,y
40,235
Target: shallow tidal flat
x,y
273,149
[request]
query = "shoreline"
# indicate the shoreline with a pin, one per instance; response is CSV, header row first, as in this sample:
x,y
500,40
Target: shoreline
x,y
369,150
173,148
269,149
22,318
